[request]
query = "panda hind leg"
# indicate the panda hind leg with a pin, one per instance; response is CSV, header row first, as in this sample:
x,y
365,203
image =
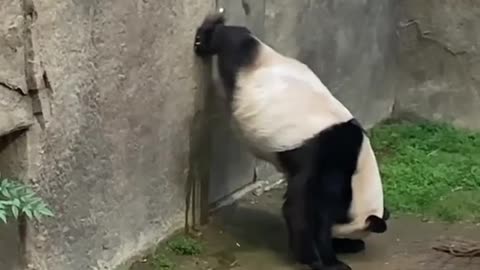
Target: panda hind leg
x,y
348,246
300,236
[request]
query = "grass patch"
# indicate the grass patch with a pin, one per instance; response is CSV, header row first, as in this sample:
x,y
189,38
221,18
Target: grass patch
x,y
185,246
431,169
168,254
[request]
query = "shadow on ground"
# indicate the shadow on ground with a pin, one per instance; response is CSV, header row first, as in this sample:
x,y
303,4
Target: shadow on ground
x,y
250,235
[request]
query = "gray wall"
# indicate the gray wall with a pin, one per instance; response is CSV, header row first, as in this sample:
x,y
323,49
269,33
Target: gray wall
x,y
116,147
439,61
111,151
232,165
113,132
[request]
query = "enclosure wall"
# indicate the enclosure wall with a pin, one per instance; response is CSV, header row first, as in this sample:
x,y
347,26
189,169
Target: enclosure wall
x,y
101,102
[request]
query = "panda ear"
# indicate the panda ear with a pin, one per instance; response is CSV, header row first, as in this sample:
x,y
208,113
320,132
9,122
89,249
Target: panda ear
x,y
376,224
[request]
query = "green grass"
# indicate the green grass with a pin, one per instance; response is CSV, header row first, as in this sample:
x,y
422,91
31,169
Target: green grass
x,y
185,246
430,169
169,253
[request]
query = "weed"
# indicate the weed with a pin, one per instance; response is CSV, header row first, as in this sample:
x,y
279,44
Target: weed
x,y
18,199
185,246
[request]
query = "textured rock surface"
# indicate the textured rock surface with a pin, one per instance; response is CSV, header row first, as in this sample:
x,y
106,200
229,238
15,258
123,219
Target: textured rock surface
x,y
15,111
11,45
115,149
10,251
439,61
123,91
232,164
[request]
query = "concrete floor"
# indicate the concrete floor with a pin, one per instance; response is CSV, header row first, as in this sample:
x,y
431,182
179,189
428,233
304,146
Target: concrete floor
x,y
250,235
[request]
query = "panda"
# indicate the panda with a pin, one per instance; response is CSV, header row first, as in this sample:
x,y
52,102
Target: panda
x,y
287,117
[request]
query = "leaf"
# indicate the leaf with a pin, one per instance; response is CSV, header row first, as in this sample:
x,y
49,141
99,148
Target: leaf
x,y
28,196
46,212
15,211
20,198
17,191
28,212
6,193
35,202
36,214
13,192
3,217
5,183
16,202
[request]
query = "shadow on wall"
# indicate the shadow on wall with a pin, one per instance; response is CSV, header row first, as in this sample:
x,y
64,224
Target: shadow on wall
x,y
12,164
10,248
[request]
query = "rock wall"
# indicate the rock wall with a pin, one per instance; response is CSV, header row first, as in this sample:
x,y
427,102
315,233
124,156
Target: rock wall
x,y
232,165
113,100
114,86
439,61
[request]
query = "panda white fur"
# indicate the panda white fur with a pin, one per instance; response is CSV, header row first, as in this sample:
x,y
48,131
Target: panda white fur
x,y
287,117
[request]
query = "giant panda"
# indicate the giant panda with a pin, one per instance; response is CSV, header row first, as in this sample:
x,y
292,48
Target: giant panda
x,y
287,116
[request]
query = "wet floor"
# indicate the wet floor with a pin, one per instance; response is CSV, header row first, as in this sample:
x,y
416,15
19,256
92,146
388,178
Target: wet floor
x,y
250,235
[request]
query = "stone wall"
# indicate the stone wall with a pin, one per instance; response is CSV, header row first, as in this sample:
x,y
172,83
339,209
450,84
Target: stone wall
x,y
114,87
116,145
439,61
112,99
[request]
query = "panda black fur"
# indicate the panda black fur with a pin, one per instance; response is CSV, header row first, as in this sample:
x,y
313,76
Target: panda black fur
x,y
289,118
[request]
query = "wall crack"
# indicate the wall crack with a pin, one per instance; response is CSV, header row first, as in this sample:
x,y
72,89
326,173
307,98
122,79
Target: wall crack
x,y
426,35
12,87
34,83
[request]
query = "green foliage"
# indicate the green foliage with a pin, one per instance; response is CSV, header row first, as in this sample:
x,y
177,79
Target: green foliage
x,y
432,169
18,199
184,245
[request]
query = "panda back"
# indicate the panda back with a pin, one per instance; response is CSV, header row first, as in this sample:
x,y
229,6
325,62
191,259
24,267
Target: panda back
x,y
282,103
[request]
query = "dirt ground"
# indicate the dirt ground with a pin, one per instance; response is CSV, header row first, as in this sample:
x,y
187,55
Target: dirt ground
x,y
250,235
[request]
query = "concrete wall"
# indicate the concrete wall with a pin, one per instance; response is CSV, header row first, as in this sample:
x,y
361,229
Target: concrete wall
x,y
232,165
113,100
110,149
439,61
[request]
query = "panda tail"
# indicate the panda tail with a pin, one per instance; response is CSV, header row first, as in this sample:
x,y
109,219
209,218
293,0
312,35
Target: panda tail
x,y
204,45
